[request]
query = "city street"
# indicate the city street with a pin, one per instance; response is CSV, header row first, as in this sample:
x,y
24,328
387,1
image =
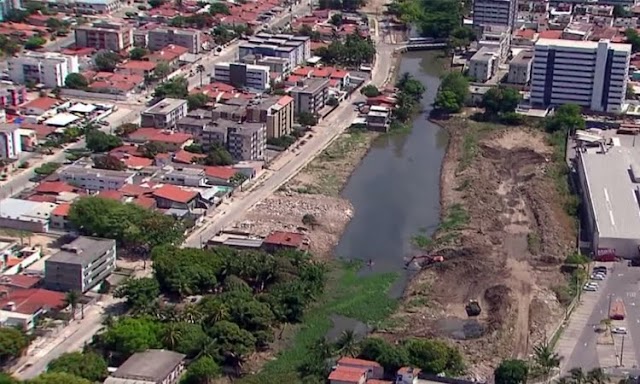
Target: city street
x,y
579,342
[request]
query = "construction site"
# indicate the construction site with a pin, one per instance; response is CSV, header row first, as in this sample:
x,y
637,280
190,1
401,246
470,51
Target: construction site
x,y
486,279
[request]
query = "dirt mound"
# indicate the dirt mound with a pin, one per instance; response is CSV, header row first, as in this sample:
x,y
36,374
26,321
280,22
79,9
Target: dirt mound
x,y
502,223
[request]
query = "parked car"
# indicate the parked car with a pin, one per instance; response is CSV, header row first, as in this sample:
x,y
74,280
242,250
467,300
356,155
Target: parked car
x,y
590,288
600,270
597,277
619,331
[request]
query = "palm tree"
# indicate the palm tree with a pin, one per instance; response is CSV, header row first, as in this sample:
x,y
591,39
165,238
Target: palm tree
x,y
347,344
71,299
172,335
403,80
323,349
200,69
596,376
577,376
546,358
191,314
219,312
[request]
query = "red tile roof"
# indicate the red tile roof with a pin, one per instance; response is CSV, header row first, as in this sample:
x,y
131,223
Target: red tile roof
x,y
526,33
112,195
304,71
321,72
347,374
41,103
138,65
62,210
54,187
135,190
30,301
136,161
186,157
339,73
144,202
550,34
374,381
19,281
42,198
153,134
284,100
168,53
220,172
289,239
358,362
174,193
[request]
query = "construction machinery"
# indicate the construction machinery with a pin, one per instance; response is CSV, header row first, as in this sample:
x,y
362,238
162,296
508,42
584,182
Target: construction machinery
x,y
473,308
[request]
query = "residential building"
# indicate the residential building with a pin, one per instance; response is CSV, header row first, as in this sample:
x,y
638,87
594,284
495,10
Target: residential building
x,y
165,114
161,37
240,75
247,141
91,7
10,142
171,140
173,197
378,118
311,96
497,38
186,177
279,240
520,68
494,12
194,122
22,307
8,5
39,106
136,68
25,215
276,64
154,366
276,112
171,54
588,73
80,265
104,35
60,217
483,64
12,95
47,68
141,38
95,179
295,49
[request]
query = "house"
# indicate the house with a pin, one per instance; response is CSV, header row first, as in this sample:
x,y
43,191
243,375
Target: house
x,y
165,114
96,179
373,369
280,240
25,215
172,141
39,106
59,217
219,175
154,366
348,375
170,196
22,307
137,67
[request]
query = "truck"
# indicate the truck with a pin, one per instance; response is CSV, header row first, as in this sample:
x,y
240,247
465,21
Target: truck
x,y
616,310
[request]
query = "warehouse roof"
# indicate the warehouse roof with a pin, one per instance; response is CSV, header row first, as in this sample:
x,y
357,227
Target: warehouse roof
x,y
153,365
613,192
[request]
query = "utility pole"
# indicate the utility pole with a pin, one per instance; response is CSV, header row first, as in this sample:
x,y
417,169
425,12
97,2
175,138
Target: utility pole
x,y
622,351
609,307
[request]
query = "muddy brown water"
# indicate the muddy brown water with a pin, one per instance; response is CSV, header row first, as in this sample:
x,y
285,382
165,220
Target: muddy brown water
x,y
396,188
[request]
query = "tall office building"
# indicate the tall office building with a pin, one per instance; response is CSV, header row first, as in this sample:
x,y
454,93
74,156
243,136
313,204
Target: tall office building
x,y
588,73
494,12
48,68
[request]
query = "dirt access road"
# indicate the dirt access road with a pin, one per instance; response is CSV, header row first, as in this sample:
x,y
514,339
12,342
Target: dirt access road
x,y
504,232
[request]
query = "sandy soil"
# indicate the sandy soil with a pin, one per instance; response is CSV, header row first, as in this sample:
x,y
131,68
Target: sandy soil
x,y
499,179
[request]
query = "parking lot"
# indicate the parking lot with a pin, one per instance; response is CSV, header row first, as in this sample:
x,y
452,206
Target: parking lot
x,y
582,345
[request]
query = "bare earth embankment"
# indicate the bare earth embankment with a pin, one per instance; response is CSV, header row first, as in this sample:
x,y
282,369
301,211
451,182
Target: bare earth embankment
x,y
315,190
504,232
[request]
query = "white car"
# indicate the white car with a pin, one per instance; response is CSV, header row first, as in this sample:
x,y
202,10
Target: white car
x,y
597,277
590,288
619,331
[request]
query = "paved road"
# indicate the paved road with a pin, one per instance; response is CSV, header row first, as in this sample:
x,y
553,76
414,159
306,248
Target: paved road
x,y
324,134
622,283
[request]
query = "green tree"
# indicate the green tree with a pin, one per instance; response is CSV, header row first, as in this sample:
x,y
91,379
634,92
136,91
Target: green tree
x,y
98,141
200,69
58,378
433,356
197,100
140,293
156,3
307,119
370,90
12,343
620,11
218,8
71,300
500,100
439,18
171,335
202,371
238,178
232,343
633,38
35,42
130,335
511,372
191,338
126,129
447,102
108,162
162,70
391,357
336,19
152,148
47,169
567,118
137,53
76,81
347,344
5,378
546,358
106,61
218,156
177,87
88,365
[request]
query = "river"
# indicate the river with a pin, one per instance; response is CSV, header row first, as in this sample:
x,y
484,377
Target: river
x,y
395,189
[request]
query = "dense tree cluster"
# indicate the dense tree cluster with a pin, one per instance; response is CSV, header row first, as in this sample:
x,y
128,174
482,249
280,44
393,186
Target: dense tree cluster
x,y
633,38
108,162
98,141
106,61
500,103
178,88
76,81
355,50
408,96
130,225
452,93
12,343
88,365
346,5
247,294
197,100
435,18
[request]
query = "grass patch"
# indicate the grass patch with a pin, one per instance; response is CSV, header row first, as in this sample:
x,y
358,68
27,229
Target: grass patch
x,y
469,149
533,243
422,241
362,298
559,172
455,219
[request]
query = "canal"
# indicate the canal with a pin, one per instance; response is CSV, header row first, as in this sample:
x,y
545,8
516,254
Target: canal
x,y
395,189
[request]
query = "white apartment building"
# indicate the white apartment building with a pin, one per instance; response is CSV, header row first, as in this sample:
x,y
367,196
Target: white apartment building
x,y
296,49
588,73
165,114
483,64
494,12
95,179
242,75
10,143
48,68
